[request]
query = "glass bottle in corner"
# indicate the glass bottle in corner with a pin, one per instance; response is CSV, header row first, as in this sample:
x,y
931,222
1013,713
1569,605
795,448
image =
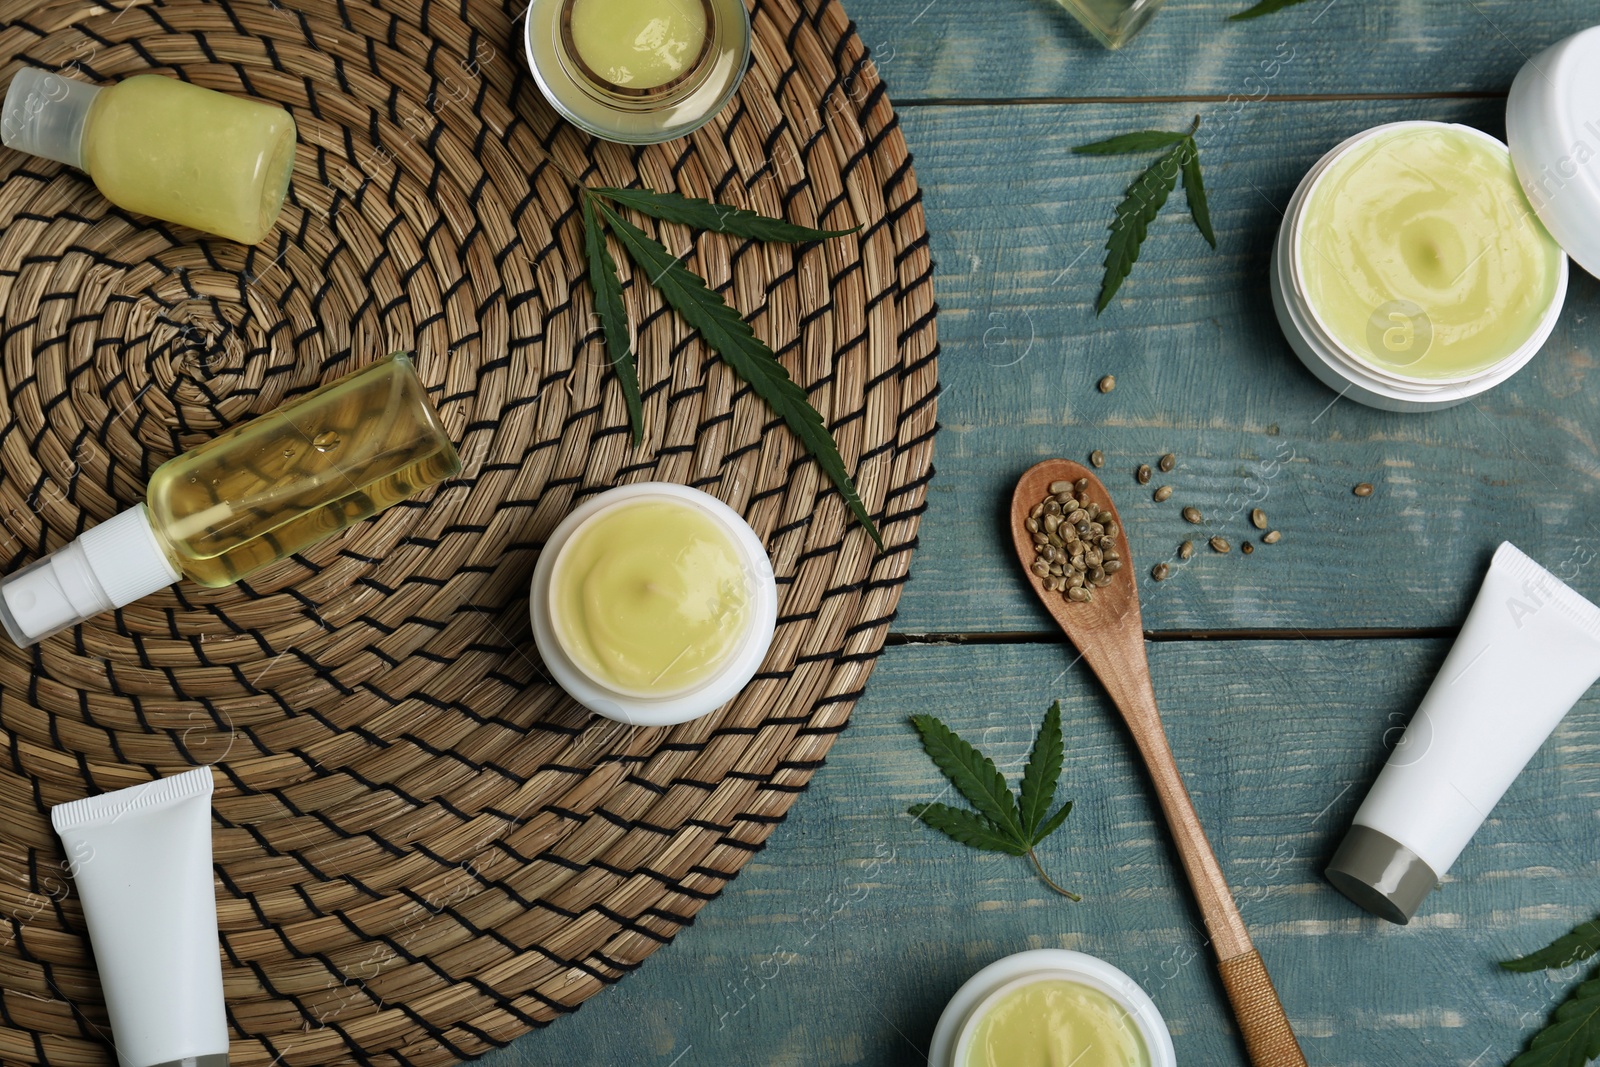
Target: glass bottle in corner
x,y
257,493
1113,22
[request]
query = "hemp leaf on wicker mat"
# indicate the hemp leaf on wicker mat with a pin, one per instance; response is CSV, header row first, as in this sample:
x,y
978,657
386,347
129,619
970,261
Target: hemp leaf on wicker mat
x,y
722,328
1572,1036
1147,194
1002,822
721,218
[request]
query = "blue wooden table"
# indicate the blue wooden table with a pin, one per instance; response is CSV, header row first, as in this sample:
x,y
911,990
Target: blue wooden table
x,y
1280,673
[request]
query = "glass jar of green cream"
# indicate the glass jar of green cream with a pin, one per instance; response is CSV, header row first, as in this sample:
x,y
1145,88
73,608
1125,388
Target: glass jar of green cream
x,y
1410,271
637,71
653,603
1051,1006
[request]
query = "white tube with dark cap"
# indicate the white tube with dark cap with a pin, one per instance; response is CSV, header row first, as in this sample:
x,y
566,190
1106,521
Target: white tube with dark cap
x,y
1529,649
141,859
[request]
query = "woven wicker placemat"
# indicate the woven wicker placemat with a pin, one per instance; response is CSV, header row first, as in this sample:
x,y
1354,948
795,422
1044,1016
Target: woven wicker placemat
x,y
423,848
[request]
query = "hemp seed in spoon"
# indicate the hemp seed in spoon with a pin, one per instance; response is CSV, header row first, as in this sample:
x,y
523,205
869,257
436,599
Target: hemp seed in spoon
x,y
1074,540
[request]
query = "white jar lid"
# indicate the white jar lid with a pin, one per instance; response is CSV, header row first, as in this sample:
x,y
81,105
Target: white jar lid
x,y
1553,129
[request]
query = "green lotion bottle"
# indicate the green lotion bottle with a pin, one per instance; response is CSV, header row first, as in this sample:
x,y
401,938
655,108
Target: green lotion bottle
x,y
257,493
161,147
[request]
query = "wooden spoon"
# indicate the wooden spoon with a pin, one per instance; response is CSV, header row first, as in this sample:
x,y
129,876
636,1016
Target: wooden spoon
x,y
1110,635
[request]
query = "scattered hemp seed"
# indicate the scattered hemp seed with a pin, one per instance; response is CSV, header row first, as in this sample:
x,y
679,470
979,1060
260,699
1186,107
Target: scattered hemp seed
x,y
1167,462
1271,537
1186,550
1162,494
1220,544
1247,548
1074,542
1192,515
1364,489
1160,572
1258,519
1142,475
1097,458
1108,383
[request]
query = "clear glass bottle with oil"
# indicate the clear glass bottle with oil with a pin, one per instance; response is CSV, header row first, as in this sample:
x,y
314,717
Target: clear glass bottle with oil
x,y
249,497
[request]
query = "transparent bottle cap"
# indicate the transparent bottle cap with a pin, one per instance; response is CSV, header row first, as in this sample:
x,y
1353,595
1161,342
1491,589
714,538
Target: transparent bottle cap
x,y
109,566
44,115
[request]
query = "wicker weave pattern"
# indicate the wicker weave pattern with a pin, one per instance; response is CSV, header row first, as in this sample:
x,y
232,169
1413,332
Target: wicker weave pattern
x,y
423,848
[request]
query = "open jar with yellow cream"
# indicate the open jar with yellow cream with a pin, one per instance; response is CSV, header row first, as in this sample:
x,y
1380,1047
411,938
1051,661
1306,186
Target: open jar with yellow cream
x,y
1411,272
1421,263
1047,1007
653,604
638,71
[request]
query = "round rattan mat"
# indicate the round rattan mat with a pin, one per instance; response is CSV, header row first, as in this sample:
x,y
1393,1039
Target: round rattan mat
x,y
423,849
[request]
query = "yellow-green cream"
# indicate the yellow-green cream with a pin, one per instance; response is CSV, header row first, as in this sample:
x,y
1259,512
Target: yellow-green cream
x,y
638,44
1420,254
1053,1023
180,152
650,597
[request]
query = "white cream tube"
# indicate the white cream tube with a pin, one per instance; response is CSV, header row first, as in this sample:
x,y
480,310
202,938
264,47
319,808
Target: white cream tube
x,y
1529,649
141,858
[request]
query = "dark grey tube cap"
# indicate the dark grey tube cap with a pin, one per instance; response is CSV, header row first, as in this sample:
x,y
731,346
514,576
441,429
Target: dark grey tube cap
x,y
1380,874
216,1059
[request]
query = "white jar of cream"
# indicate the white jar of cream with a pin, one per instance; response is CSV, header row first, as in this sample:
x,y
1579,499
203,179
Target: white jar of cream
x,y
1410,271
1415,266
1051,1006
653,604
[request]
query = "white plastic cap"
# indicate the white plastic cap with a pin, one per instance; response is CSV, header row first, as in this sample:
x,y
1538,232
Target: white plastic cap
x,y
113,564
1553,129
45,115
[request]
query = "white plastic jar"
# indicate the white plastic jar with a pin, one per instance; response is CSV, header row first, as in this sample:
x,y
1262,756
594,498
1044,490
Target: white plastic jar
x,y
1363,367
666,706
1553,135
954,1035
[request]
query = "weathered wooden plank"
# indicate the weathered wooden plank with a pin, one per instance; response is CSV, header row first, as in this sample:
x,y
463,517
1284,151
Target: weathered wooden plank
x,y
1017,224
841,943
1010,49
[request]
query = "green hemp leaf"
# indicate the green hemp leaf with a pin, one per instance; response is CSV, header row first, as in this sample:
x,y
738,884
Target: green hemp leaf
x,y
1265,7
1002,822
1144,198
1572,1036
613,315
1564,951
720,326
